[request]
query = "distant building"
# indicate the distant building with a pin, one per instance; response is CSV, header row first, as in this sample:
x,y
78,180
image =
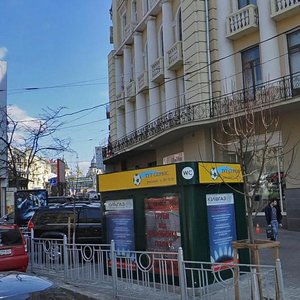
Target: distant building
x,y
99,158
39,174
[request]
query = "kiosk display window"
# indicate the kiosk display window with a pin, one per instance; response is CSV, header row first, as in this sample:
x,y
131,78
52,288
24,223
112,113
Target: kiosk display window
x,y
162,223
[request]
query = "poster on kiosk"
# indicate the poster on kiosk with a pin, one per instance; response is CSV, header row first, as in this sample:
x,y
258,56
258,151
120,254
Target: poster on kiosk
x,y
221,227
120,225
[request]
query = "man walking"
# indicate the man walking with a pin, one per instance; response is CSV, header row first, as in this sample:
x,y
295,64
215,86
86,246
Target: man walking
x,y
273,217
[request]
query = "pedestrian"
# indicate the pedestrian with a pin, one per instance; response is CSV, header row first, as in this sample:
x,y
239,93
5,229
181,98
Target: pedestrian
x,y
273,217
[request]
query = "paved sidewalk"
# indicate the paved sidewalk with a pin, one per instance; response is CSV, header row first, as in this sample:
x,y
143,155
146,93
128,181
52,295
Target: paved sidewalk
x,y
289,253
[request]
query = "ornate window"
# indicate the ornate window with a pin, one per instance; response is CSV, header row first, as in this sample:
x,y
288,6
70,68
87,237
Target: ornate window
x,y
252,75
243,3
294,60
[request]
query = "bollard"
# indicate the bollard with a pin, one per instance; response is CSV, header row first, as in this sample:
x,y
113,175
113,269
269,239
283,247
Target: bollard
x,y
114,267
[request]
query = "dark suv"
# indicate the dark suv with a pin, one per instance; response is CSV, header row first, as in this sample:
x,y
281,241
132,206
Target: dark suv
x,y
82,220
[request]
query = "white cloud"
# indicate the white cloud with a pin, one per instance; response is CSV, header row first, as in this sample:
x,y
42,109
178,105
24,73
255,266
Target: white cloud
x,y
18,115
84,166
3,52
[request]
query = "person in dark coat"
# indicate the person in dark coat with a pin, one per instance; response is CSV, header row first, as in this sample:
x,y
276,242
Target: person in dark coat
x,y
273,217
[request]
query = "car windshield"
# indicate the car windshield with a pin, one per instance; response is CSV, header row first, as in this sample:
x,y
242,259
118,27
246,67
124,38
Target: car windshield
x,y
10,237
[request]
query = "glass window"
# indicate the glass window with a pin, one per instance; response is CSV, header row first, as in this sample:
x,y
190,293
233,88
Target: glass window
x,y
134,12
243,3
10,237
294,60
161,42
179,26
251,67
162,223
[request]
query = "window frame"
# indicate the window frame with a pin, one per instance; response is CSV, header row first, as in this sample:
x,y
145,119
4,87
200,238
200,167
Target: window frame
x,y
293,49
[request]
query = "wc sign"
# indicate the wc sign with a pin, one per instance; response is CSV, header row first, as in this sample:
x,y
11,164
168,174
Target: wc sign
x,y
187,173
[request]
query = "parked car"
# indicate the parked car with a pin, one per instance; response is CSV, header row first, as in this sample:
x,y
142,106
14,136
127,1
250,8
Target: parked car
x,y
21,286
59,200
13,249
82,220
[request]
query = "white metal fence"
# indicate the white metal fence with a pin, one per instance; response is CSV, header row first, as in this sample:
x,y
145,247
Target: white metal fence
x,y
153,275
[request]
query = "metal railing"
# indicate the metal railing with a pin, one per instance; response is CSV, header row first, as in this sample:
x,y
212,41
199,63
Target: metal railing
x,y
270,93
154,275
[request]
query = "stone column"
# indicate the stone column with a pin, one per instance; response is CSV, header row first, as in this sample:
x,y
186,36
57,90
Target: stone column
x,y
168,40
140,111
129,106
269,50
225,49
154,99
118,74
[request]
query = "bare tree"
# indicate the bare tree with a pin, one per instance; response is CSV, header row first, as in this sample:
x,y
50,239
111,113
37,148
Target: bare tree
x,y
29,139
250,131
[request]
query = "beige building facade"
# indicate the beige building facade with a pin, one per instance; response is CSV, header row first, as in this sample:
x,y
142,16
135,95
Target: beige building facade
x,y
178,67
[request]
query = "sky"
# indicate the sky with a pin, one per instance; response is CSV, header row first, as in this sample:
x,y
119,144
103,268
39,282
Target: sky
x,y
56,53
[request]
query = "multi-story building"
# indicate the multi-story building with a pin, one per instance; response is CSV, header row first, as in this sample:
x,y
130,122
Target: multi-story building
x,y
3,135
178,67
39,173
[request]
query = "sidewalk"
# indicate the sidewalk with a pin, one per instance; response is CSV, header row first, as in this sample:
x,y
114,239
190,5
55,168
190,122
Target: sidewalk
x,y
289,253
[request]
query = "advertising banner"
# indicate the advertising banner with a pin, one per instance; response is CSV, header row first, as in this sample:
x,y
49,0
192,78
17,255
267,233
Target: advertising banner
x,y
120,225
162,224
221,227
137,179
26,203
220,172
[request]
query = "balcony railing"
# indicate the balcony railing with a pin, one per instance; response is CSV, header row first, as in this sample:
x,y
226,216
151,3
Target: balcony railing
x,y
142,82
130,89
265,95
281,9
157,70
242,22
174,56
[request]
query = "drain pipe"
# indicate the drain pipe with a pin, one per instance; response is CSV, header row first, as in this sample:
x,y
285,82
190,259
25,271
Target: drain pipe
x,y
209,77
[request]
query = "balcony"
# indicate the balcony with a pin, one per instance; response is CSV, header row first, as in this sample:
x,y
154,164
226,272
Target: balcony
x,y
282,9
121,100
149,5
157,70
128,30
242,22
130,89
174,56
142,82
274,93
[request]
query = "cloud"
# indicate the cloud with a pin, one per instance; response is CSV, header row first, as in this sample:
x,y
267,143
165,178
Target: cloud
x,y
16,114
3,52
84,166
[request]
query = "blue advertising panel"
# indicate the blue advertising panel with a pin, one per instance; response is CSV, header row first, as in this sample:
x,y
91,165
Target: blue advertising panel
x,y
221,226
27,202
120,225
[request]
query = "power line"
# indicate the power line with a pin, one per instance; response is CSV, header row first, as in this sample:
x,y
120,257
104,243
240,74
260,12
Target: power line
x,y
175,78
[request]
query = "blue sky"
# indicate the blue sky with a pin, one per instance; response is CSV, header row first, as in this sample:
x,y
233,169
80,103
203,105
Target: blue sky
x,y
49,43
